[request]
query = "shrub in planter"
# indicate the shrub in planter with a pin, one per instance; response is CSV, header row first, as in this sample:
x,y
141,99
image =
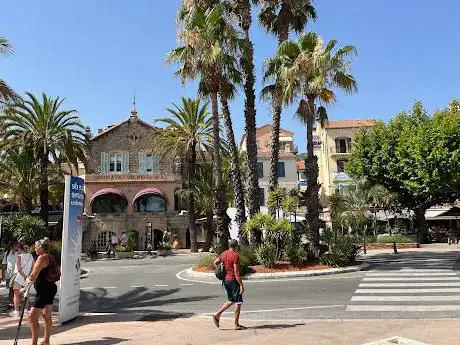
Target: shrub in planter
x,y
298,256
266,254
207,261
342,252
249,255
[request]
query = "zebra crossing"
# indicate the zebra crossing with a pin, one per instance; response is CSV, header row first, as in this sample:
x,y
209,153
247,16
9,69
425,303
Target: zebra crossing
x,y
411,284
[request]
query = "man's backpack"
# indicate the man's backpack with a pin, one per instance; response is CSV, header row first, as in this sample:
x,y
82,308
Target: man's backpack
x,y
54,273
220,271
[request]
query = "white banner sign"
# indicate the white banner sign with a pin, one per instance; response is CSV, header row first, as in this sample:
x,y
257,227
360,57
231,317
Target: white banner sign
x,y
69,295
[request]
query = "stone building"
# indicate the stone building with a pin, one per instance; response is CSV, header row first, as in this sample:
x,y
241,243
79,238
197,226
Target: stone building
x,y
129,188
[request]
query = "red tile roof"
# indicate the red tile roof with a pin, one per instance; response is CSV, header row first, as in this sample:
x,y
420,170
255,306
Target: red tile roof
x,y
350,123
300,165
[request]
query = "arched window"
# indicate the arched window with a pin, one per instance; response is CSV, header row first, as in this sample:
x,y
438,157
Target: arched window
x,y
109,203
150,203
103,239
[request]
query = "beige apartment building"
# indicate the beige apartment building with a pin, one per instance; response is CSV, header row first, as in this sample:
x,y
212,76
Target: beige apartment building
x,y
286,170
333,144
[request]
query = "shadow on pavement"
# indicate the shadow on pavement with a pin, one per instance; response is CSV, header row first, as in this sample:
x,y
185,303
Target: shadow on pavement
x,y
135,305
274,326
103,341
413,260
141,299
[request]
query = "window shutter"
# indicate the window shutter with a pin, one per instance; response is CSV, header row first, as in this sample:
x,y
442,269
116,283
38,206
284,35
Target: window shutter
x,y
104,162
156,164
349,145
280,170
125,162
337,145
142,162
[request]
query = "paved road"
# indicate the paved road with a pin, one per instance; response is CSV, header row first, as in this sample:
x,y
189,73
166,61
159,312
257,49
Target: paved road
x,y
408,285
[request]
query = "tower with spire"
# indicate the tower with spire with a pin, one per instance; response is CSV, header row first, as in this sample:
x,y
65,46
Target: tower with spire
x,y
133,116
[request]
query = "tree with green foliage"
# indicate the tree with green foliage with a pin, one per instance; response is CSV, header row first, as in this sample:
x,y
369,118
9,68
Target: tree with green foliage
x,y
55,135
188,134
207,50
308,71
24,228
280,17
415,156
7,95
275,200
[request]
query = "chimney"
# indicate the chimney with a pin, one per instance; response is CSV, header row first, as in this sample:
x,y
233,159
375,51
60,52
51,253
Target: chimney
x,y
99,131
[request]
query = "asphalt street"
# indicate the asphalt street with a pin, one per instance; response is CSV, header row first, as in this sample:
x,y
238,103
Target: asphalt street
x,y
409,285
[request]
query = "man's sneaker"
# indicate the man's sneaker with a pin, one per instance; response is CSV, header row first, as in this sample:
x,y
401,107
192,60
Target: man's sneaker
x,y
14,313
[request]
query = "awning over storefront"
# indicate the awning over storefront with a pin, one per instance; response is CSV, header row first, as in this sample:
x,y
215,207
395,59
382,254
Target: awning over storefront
x,y
105,191
146,191
443,213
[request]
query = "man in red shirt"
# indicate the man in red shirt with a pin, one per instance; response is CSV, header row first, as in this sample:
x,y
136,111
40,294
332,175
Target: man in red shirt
x,y
232,283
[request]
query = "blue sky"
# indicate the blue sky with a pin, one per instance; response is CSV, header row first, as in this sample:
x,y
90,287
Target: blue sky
x,y
96,52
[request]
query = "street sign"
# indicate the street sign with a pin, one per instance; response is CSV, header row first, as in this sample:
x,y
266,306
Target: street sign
x,y
69,295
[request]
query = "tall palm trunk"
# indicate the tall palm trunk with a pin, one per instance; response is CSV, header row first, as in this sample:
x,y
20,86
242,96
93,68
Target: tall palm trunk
x,y
275,144
44,195
312,192
247,62
209,232
235,168
191,164
420,223
219,190
275,148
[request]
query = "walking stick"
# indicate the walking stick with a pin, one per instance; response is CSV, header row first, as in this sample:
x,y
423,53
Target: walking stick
x,y
26,297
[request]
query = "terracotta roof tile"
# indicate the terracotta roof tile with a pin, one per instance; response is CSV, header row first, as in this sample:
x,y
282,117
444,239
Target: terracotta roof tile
x,y
300,165
350,123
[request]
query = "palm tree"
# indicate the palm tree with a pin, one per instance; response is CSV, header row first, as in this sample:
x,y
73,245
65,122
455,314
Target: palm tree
x,y
275,200
188,133
247,63
290,207
357,200
308,70
279,17
19,176
7,95
227,91
207,43
47,128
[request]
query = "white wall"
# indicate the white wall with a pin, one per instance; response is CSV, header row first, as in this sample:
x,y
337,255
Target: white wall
x,y
288,182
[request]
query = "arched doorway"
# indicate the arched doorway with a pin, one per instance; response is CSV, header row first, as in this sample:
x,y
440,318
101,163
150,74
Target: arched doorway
x,y
150,200
108,200
157,238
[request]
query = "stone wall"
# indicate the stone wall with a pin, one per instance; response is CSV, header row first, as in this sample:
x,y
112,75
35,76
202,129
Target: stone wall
x,y
131,136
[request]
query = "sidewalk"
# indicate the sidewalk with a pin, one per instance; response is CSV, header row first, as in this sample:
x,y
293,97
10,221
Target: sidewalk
x,y
114,329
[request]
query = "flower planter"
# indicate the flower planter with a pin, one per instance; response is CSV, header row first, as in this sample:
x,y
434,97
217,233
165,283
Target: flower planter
x,y
124,255
164,252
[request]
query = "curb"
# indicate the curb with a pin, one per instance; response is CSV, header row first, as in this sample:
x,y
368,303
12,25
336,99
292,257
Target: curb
x,y
276,275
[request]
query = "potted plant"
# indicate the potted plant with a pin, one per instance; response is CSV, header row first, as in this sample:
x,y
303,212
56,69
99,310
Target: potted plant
x,y
164,247
124,252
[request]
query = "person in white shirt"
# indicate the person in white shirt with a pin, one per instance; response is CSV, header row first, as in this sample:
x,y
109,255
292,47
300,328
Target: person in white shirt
x,y
8,264
124,239
113,243
23,267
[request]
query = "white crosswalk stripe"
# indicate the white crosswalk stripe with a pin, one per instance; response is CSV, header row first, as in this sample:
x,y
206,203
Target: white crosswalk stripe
x,y
419,284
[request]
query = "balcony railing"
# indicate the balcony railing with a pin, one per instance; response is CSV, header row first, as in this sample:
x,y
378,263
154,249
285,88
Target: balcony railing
x,y
339,176
133,178
333,151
